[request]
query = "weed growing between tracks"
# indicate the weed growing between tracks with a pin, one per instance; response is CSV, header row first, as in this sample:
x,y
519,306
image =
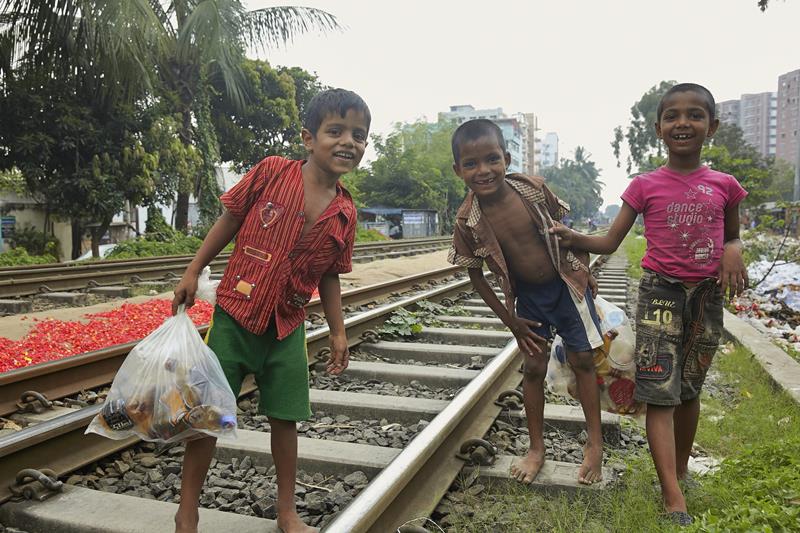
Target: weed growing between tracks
x,y
757,488
634,247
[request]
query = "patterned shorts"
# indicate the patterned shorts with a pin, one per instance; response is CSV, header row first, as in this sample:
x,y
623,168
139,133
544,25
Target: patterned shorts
x,y
677,334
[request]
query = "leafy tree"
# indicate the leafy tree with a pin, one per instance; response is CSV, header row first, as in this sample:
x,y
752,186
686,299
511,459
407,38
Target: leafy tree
x,y
178,47
644,147
81,157
765,178
576,182
414,169
269,122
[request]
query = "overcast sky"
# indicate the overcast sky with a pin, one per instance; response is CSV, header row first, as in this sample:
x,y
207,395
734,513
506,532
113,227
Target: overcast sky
x,y
578,65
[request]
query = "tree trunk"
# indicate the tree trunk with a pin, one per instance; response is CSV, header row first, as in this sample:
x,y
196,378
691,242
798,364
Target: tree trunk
x,y
182,206
97,234
77,233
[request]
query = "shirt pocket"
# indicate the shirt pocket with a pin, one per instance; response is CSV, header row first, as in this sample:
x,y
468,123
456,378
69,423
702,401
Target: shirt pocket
x,y
239,285
268,213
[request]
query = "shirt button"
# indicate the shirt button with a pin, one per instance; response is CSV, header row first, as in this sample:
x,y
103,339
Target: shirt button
x,y
300,214
269,205
263,225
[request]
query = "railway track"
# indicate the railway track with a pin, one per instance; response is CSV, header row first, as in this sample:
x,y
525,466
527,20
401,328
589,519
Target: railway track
x,y
405,483
33,279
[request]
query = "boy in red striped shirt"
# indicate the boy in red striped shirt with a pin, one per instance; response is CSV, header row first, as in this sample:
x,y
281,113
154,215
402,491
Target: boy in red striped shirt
x,y
295,227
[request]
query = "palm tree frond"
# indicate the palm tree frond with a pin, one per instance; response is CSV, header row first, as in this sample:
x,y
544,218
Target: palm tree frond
x,y
274,26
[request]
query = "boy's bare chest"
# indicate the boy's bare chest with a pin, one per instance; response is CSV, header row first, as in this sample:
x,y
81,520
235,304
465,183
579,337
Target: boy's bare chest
x,y
512,225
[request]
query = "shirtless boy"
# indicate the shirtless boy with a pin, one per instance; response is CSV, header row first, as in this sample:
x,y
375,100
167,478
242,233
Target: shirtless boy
x,y
504,221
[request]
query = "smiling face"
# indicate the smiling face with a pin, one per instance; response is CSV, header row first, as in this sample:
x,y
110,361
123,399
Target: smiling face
x,y
339,143
482,165
685,123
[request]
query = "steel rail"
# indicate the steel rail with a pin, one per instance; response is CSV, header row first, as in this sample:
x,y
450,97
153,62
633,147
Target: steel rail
x,y
57,268
60,445
395,496
70,375
27,281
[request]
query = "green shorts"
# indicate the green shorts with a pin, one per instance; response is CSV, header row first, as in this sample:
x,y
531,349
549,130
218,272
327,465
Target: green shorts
x,y
280,367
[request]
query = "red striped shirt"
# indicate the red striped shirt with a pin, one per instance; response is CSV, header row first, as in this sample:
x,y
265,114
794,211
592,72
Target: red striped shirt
x,y
273,271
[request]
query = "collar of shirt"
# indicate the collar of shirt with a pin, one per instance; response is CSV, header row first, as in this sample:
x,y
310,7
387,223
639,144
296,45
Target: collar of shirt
x,y
570,267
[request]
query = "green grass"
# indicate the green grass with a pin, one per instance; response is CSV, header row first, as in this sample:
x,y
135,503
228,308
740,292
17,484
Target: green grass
x,y
634,248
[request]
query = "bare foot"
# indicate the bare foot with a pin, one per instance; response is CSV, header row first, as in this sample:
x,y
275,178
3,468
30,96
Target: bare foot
x,y
526,468
186,521
591,470
292,523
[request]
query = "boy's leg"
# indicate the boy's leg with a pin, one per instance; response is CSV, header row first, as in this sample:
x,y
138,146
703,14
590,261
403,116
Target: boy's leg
x,y
535,369
582,364
661,438
284,454
685,422
196,461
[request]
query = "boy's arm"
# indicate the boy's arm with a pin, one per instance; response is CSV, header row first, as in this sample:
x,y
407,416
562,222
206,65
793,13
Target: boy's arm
x,y
527,340
220,234
732,272
598,244
330,294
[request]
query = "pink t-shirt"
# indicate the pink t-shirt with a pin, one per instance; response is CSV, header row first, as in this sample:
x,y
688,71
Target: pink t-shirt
x,y
684,219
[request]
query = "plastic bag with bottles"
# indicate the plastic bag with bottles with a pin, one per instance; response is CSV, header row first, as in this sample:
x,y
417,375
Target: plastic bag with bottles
x,y
614,363
170,387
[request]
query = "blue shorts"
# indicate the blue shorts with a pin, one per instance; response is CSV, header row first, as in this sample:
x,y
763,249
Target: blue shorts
x,y
556,307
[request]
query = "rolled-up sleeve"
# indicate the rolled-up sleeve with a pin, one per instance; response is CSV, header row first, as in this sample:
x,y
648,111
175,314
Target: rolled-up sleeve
x,y
241,197
344,263
461,250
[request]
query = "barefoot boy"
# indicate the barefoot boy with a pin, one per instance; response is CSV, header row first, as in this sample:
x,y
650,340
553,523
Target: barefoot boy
x,y
294,226
504,221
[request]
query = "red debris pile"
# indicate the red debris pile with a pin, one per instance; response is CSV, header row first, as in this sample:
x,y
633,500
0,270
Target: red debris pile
x,y
49,340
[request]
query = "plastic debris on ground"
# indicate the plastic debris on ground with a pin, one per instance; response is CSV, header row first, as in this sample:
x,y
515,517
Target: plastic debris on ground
x,y
614,364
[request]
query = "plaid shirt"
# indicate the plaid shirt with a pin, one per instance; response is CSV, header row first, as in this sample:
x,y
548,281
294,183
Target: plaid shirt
x,y
273,270
474,240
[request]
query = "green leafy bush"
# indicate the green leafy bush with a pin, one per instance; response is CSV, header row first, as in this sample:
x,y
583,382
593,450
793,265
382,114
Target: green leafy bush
x,y
404,323
144,247
35,242
20,256
369,235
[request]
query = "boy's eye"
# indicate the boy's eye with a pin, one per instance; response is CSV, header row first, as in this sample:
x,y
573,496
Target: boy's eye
x,y
334,131
360,137
468,164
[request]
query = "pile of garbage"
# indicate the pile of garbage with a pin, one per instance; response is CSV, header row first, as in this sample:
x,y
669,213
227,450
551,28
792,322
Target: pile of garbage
x,y
773,305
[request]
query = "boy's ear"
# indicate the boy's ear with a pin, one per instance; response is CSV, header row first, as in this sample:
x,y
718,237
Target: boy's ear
x,y
456,169
508,159
308,139
712,128
658,130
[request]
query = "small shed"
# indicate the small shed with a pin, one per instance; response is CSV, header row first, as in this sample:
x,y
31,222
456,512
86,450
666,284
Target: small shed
x,y
397,222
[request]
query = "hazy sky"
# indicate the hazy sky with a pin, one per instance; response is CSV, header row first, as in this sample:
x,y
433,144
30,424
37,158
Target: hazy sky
x,y
578,65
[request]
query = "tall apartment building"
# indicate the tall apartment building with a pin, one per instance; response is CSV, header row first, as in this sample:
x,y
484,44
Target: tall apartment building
x,y
517,132
549,156
531,143
788,117
756,115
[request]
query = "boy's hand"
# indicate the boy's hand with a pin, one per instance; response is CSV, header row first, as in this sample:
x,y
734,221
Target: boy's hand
x,y
564,234
593,285
732,273
340,354
527,340
184,292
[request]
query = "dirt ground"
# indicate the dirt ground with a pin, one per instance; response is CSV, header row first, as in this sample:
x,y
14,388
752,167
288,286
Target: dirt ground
x,y
16,326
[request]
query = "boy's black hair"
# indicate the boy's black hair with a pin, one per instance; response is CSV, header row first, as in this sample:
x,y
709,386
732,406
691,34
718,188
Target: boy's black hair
x,y
689,88
475,129
333,101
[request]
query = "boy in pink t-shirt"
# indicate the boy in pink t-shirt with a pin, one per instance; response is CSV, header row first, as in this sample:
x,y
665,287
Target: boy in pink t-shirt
x,y
693,256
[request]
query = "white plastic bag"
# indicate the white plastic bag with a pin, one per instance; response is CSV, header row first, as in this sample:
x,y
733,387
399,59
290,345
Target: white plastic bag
x,y
614,363
206,287
170,387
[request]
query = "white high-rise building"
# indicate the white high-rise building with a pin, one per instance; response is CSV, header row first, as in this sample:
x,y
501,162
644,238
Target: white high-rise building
x,y
549,156
519,132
